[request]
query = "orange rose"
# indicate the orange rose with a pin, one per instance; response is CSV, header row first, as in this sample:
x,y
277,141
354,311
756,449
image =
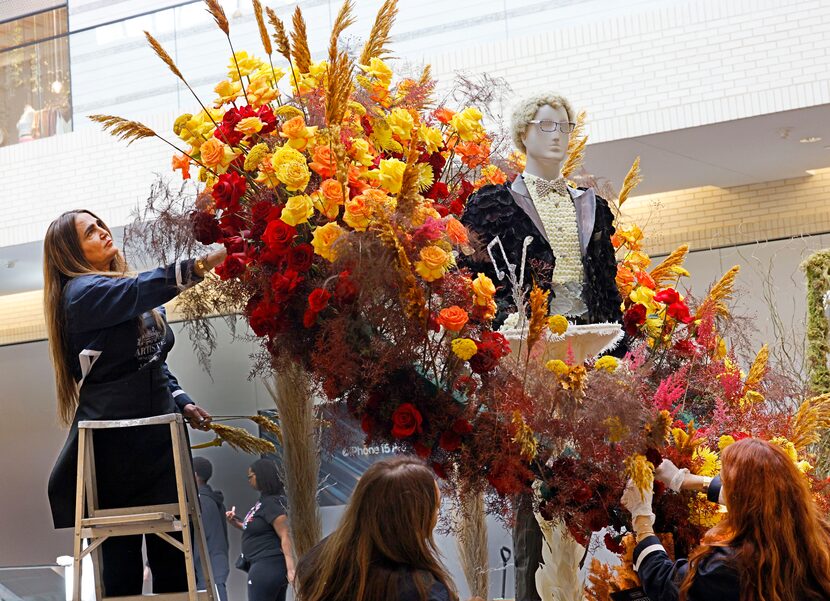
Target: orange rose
x,y
297,133
213,151
456,232
358,213
453,318
483,289
322,161
433,263
332,192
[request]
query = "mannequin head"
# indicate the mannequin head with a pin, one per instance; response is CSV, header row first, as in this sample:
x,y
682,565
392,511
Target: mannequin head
x,y
545,150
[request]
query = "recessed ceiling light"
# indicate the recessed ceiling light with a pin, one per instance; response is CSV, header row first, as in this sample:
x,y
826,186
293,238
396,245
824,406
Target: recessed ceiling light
x,y
810,140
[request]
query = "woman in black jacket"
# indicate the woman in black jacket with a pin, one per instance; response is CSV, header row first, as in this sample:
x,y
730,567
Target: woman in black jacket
x,y
772,545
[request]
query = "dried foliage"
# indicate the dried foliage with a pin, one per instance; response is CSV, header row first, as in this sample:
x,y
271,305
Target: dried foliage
x,y
631,181
123,129
218,13
471,537
811,420
377,43
162,54
299,42
665,271
260,23
719,294
280,36
242,440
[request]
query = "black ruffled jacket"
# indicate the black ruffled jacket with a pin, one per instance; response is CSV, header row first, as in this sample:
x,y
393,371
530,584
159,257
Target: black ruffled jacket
x,y
507,211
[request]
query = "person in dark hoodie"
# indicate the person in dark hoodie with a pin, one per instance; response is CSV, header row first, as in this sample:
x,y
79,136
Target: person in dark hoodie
x,y
215,527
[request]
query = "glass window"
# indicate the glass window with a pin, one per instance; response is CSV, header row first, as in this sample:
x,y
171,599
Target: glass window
x,y
35,99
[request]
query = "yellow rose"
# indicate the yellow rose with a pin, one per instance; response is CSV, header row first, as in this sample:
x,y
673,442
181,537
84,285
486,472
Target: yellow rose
x,y
294,175
391,174
606,363
286,154
358,213
228,92
432,138
557,366
483,289
260,91
362,152
433,263
297,210
401,122
298,134
379,71
464,348
323,239
468,124
180,122
557,324
242,63
724,441
249,125
644,296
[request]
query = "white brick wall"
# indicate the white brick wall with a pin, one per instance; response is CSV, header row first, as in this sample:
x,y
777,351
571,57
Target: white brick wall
x,y
638,67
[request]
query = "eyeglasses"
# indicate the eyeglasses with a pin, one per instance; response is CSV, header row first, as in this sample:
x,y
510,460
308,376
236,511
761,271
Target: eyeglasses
x,y
550,126
251,476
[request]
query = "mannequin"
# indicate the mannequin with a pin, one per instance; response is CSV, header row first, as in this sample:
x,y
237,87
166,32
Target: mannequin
x,y
24,124
570,253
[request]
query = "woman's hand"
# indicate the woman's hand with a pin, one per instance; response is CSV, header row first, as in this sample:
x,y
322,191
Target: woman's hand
x,y
232,519
670,475
199,418
210,261
291,575
638,503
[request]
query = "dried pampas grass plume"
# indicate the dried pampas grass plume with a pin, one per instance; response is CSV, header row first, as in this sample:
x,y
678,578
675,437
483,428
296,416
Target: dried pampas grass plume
x,y
812,418
375,46
162,54
299,42
218,13
340,69
128,131
631,181
242,440
663,272
280,37
472,542
719,293
260,23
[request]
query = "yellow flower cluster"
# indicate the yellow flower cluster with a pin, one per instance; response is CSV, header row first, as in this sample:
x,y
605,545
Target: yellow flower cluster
x,y
557,324
464,348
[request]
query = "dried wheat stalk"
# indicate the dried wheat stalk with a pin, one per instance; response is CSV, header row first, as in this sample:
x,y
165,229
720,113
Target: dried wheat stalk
x,y
376,44
299,42
472,543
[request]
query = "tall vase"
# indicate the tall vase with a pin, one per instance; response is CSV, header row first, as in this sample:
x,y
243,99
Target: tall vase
x,y
472,543
291,391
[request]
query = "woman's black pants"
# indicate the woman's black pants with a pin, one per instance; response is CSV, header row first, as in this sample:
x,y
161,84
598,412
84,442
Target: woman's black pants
x,y
123,572
268,579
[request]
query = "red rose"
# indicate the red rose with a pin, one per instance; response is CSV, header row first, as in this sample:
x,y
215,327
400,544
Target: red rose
x,y
438,191
439,470
262,317
667,296
318,299
345,290
367,424
406,420
205,227
421,450
309,318
266,115
633,318
228,190
262,213
232,267
680,312
284,284
462,426
300,257
450,441
483,361
278,234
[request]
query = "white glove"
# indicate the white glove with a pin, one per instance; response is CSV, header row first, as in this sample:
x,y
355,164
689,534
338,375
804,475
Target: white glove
x,y
670,475
637,502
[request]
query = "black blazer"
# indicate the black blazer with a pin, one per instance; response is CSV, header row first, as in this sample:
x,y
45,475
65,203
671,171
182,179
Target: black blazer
x,y
507,211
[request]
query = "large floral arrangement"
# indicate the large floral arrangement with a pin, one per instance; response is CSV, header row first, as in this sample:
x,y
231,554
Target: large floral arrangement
x,y
337,197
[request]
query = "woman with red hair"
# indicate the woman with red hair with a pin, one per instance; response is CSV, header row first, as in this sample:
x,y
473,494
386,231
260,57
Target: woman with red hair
x,y
772,545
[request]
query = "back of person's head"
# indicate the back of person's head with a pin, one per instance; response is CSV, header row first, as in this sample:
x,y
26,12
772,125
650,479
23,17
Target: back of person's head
x,y
268,480
203,468
781,542
384,536
63,259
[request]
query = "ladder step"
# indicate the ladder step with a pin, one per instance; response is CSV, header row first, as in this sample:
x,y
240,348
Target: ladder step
x,y
200,595
135,528
132,518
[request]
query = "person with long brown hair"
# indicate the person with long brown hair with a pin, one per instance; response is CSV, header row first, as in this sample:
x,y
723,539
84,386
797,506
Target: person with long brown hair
x,y
108,340
383,549
771,545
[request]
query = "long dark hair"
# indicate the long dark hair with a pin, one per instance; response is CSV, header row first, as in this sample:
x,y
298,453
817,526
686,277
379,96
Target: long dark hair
x,y
385,533
63,259
781,542
268,480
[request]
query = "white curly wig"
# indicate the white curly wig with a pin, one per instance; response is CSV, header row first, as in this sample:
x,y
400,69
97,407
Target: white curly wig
x,y
526,110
